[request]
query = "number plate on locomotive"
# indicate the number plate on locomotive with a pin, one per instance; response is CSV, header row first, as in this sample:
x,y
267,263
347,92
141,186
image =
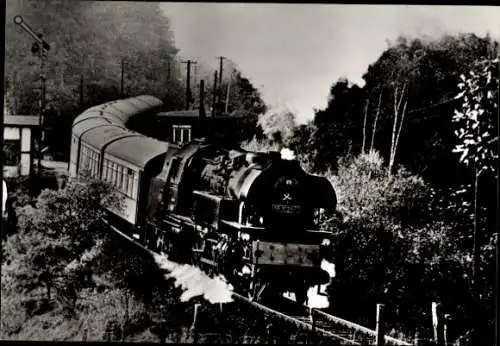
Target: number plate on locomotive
x,y
286,209
284,254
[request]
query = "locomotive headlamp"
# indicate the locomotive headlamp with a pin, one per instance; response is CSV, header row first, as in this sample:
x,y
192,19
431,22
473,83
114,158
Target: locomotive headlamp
x,y
245,236
326,242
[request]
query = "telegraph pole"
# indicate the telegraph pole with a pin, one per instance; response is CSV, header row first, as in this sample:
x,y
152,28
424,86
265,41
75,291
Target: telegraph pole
x,y
81,91
228,88
201,110
43,101
220,92
168,70
41,48
121,86
214,95
188,82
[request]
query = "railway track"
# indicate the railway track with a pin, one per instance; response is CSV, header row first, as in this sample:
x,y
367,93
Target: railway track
x,y
316,321
324,324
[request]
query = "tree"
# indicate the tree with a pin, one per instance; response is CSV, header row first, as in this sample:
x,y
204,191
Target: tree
x,y
88,41
430,68
60,229
477,131
397,217
338,126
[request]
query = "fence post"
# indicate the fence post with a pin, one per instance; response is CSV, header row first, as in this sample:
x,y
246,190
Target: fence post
x,y
436,324
193,326
416,339
313,326
379,341
445,329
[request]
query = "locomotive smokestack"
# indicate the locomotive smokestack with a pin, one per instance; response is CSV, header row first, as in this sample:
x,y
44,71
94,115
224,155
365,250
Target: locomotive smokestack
x,y
275,155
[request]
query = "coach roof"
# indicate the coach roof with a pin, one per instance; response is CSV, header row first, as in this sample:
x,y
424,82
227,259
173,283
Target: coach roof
x,y
137,150
99,136
88,124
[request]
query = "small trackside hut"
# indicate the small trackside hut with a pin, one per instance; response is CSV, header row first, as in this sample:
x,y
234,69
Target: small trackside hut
x,y
19,145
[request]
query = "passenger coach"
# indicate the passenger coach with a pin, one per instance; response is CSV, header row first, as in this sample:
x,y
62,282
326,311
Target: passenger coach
x,y
103,148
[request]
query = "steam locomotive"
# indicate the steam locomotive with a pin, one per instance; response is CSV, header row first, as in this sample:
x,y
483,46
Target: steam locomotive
x,y
252,217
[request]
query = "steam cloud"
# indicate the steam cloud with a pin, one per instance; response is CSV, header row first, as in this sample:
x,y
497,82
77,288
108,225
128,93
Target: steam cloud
x,y
195,282
287,154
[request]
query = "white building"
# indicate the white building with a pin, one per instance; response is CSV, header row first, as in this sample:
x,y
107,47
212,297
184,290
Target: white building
x,y
18,147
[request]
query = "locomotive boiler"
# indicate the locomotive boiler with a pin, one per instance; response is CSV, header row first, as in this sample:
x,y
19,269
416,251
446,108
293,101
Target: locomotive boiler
x,y
251,217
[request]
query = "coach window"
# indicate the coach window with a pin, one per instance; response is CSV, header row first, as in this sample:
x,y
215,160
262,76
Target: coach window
x,y
110,172
119,177
94,170
85,158
105,170
122,179
97,156
113,173
131,184
90,162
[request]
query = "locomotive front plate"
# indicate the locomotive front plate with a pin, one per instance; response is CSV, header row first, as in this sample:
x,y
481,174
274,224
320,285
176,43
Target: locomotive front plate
x,y
269,253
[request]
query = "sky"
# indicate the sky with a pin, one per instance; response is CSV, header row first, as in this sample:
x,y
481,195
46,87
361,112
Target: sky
x,y
293,53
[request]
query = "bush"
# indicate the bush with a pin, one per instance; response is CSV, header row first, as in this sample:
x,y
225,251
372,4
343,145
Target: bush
x,y
392,247
366,193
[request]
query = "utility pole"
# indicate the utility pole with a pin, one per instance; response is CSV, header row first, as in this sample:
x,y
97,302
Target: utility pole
x,y
227,93
40,48
201,110
195,74
43,102
81,91
122,73
188,82
202,98
214,95
220,92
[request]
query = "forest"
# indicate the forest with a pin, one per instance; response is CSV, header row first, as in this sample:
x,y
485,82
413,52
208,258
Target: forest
x,y
90,42
412,155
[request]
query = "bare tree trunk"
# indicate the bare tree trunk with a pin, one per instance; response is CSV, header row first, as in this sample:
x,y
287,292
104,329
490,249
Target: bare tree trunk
x,y
375,121
364,126
397,107
393,137
399,130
